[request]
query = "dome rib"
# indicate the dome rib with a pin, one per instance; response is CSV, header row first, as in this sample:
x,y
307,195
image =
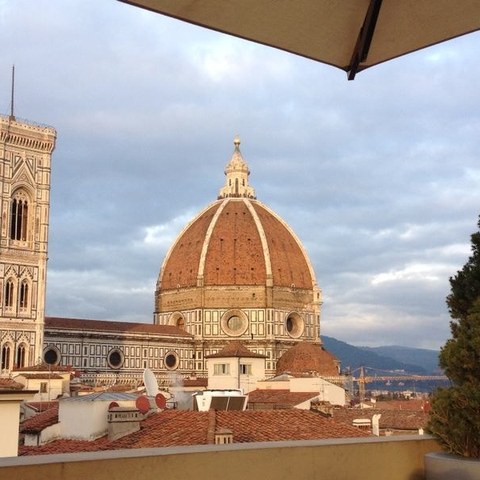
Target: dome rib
x,y
234,254
206,243
176,260
263,239
298,255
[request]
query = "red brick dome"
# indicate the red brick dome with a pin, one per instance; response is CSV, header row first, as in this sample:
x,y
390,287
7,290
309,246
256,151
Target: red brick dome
x,y
306,357
237,241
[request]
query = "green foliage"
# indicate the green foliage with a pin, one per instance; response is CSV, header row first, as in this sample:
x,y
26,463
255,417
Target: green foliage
x,y
465,285
455,413
460,356
455,419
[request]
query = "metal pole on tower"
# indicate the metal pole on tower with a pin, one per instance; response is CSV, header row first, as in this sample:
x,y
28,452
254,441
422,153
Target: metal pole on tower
x,y
12,103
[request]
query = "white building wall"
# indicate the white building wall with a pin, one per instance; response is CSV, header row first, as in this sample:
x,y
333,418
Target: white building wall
x,y
9,417
235,378
83,420
9,421
46,435
54,387
328,391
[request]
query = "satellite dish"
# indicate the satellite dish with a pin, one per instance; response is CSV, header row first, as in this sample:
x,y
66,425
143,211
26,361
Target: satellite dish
x,y
143,404
160,401
150,382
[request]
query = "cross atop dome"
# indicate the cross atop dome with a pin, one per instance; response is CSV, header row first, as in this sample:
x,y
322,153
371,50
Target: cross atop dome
x,y
237,172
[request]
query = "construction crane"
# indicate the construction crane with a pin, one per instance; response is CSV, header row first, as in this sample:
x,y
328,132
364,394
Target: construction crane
x,y
363,379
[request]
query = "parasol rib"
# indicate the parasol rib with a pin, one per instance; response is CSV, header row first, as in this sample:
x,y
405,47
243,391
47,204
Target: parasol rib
x,y
364,39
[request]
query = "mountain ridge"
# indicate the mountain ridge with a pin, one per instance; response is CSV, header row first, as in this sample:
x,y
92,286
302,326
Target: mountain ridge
x,y
388,358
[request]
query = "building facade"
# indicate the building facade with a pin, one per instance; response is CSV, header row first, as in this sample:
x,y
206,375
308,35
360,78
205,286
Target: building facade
x,y
25,163
109,352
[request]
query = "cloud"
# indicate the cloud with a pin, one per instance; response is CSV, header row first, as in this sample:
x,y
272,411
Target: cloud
x,y
164,235
378,177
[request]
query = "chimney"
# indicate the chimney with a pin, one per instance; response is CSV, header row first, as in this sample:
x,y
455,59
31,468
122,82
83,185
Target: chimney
x,y
123,421
376,424
223,436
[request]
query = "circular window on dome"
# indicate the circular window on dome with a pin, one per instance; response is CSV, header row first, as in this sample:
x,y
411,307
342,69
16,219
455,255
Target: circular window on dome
x,y
234,322
51,355
115,358
171,360
294,325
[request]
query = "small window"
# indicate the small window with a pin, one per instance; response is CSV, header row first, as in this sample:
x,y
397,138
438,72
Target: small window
x,y
43,387
245,369
221,369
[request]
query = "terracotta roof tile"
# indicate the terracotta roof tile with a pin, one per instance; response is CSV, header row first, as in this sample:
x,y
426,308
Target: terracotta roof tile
x,y
278,425
40,376
413,404
235,348
278,398
390,419
106,325
306,357
9,384
195,382
180,428
41,406
44,367
40,421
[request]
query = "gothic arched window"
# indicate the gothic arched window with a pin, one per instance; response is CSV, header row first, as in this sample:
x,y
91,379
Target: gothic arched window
x,y
6,357
21,352
19,216
9,287
23,299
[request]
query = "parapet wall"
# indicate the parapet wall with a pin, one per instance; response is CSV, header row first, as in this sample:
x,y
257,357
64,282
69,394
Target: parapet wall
x,y
393,458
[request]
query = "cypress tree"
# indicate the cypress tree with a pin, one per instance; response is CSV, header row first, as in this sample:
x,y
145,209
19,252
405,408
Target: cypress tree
x,y
455,413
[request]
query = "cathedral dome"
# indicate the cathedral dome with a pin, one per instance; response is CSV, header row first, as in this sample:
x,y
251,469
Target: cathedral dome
x,y
237,241
238,271
308,357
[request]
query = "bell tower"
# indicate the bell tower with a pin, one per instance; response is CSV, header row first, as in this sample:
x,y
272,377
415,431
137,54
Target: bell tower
x,y
25,158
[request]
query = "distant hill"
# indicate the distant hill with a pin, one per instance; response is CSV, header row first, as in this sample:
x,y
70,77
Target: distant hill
x,y
412,360
428,359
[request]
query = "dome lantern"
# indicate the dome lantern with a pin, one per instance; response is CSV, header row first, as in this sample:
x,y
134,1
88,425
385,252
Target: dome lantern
x,y
237,172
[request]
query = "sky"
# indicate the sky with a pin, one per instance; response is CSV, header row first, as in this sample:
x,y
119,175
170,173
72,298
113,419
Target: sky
x,y
379,177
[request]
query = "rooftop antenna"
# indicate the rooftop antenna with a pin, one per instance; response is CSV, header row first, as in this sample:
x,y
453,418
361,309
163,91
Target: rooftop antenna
x,y
12,103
